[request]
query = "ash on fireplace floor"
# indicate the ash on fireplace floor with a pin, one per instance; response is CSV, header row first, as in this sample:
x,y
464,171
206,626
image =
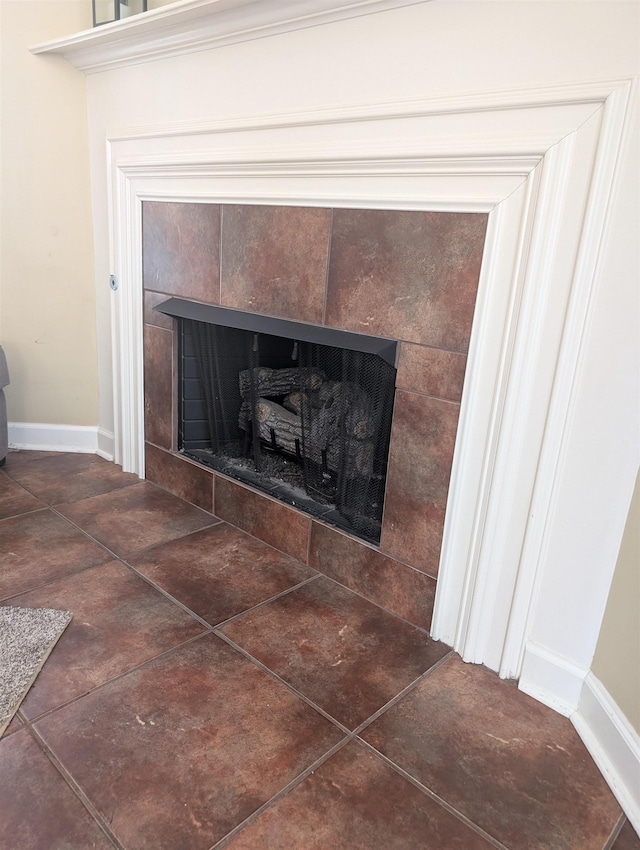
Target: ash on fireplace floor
x,y
277,470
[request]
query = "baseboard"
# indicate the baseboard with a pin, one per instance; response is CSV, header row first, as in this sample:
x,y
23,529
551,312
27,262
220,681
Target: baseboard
x,y
613,744
551,679
61,438
106,444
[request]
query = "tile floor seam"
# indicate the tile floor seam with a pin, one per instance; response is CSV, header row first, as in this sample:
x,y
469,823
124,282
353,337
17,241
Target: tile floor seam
x,y
221,623
264,602
51,505
377,604
253,536
119,676
433,796
26,513
402,694
80,529
275,799
36,511
552,833
125,555
35,587
615,832
167,595
149,549
283,682
377,549
76,790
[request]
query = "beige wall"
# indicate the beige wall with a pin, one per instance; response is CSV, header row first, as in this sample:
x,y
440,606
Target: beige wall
x,y
617,659
47,299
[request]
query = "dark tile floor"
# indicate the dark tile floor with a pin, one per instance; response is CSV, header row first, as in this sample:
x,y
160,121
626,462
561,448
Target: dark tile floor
x,y
211,691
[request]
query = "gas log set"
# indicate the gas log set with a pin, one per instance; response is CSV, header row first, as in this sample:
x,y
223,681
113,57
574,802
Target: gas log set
x,y
329,423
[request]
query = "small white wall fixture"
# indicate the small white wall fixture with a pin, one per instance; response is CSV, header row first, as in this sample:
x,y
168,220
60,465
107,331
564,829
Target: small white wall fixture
x,y
543,164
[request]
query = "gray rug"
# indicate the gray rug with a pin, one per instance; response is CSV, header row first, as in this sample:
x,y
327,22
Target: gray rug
x,y
27,636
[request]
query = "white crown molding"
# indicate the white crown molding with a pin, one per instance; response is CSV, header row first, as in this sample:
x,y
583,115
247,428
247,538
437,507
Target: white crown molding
x,y
194,25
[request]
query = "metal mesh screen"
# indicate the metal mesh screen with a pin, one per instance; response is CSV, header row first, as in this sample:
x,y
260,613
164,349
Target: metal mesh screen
x,y
306,423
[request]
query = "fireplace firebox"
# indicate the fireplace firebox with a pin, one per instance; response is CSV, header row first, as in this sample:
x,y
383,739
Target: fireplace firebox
x,y
300,412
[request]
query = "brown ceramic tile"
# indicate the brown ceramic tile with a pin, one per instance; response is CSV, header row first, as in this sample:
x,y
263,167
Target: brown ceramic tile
x,y
159,407
431,371
40,547
627,839
180,249
339,650
406,592
422,441
14,499
70,477
180,476
18,457
511,765
405,274
37,808
151,316
14,725
142,515
274,260
220,572
266,519
370,806
119,621
178,752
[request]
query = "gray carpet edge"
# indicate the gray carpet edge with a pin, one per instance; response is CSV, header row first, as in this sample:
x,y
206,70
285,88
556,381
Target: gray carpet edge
x,y
27,637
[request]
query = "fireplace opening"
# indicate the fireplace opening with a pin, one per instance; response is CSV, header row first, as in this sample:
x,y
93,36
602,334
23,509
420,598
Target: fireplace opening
x,y
304,420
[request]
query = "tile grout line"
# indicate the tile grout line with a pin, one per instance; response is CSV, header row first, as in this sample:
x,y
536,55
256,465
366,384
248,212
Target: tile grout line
x,y
94,813
377,605
71,501
272,674
50,711
223,623
136,552
433,796
403,693
279,795
210,627
609,844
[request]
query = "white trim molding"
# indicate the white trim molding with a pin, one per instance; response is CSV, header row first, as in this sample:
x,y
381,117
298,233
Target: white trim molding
x,y
87,439
551,679
194,25
543,168
613,743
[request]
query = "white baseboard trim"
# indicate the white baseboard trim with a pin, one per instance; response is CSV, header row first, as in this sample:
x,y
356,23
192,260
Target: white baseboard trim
x,y
106,444
613,744
551,679
60,438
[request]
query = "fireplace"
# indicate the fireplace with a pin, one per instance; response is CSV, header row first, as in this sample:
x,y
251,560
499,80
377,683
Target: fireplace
x,y
404,282
300,412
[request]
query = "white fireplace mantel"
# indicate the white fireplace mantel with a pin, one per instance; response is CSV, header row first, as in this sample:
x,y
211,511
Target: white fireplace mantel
x,y
189,26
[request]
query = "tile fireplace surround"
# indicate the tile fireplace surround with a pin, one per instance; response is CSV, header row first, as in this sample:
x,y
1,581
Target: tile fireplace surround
x,y
405,275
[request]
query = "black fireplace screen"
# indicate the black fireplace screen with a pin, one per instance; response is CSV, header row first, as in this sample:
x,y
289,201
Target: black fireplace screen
x,y
305,422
